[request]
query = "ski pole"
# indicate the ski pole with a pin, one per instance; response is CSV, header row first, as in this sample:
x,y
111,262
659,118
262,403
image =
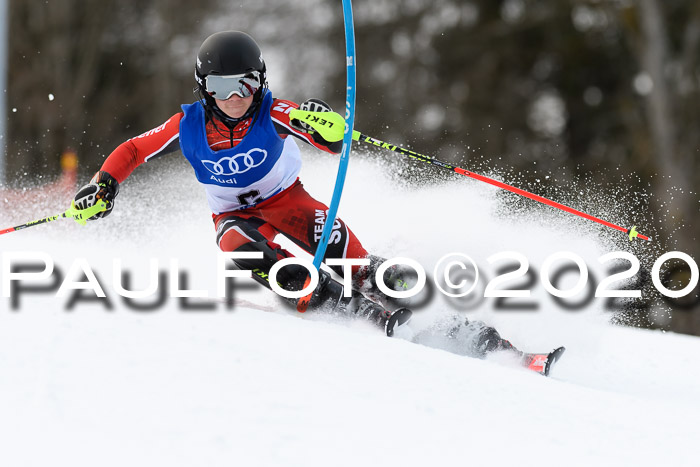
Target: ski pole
x,y
330,126
79,215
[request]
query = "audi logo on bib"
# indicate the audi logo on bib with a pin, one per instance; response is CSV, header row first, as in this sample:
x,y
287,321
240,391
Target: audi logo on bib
x,y
238,164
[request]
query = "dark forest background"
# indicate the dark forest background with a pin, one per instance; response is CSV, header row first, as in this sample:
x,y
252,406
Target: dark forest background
x,y
598,92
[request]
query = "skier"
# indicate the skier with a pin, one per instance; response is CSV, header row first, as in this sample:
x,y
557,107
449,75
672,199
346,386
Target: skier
x,y
242,146
241,143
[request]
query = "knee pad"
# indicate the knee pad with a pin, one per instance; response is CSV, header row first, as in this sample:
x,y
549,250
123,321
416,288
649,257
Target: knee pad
x,y
290,277
328,293
398,278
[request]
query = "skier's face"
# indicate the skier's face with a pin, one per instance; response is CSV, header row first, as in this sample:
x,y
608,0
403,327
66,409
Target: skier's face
x,y
235,106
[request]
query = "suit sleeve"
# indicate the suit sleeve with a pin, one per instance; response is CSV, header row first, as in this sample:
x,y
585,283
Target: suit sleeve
x,y
280,117
161,140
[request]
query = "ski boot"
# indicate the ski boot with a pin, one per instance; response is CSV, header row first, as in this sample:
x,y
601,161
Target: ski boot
x,y
328,295
398,318
479,338
485,339
388,320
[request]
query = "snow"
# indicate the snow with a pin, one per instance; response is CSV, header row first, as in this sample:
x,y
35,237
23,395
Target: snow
x,y
172,387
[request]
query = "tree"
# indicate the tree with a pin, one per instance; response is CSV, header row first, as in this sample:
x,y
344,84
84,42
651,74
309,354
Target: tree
x,y
88,74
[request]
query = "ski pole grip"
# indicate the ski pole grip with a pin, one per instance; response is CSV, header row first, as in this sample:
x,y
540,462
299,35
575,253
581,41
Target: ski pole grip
x,y
330,125
82,215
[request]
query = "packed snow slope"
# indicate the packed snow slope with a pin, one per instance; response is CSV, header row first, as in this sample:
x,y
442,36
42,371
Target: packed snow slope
x,y
117,386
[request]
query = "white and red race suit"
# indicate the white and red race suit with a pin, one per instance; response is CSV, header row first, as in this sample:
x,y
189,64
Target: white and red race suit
x,y
253,194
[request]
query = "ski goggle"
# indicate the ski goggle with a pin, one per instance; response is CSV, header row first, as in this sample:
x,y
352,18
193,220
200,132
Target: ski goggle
x,y
223,87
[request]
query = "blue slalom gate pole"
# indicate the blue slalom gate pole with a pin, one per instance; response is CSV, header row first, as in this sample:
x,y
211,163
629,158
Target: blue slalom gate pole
x,y
347,138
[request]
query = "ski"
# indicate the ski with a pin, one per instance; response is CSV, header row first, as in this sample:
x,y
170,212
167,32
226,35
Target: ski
x,y
541,363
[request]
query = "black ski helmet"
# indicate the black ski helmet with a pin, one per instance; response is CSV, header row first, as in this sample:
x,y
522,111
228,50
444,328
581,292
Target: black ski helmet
x,y
229,53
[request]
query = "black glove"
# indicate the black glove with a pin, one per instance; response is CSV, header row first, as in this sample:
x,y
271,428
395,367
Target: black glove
x,y
311,105
102,186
